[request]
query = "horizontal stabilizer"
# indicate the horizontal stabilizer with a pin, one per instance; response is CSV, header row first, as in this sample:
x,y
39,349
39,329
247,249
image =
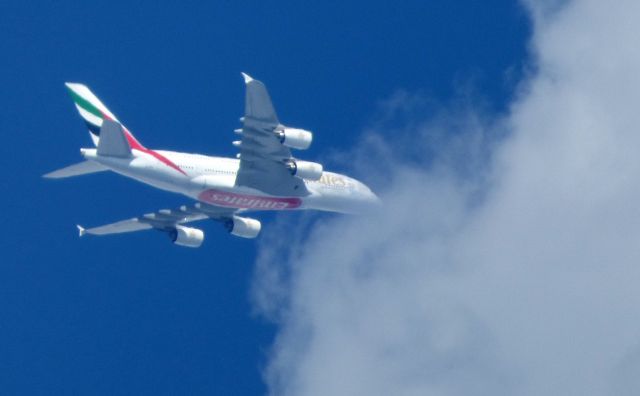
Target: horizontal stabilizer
x,y
113,142
82,168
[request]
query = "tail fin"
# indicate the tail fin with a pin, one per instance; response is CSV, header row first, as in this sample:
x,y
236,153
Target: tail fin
x,y
91,109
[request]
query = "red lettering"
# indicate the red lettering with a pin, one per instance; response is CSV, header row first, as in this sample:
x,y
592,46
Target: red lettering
x,y
243,201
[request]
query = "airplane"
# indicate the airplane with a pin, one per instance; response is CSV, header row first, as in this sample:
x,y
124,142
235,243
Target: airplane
x,y
264,176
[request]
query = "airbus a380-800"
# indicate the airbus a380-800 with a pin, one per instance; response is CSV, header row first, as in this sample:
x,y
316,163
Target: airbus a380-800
x,y
264,176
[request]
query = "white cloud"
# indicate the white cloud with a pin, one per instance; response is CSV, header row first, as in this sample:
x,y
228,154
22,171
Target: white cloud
x,y
502,266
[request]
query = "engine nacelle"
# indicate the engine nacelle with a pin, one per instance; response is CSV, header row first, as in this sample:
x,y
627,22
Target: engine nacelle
x,y
305,170
186,236
243,227
295,138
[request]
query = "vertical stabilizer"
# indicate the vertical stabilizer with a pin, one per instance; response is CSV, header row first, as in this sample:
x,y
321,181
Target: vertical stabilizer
x,y
91,109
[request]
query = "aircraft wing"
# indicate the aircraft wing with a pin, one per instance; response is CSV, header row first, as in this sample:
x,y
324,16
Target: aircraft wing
x,y
164,219
262,155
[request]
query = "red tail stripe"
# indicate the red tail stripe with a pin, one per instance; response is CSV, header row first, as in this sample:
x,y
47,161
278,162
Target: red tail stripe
x,y
135,144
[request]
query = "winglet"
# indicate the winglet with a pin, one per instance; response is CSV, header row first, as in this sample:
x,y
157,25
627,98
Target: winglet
x,y
81,230
247,78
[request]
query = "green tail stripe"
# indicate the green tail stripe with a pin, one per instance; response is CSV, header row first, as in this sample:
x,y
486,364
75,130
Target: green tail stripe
x,y
85,104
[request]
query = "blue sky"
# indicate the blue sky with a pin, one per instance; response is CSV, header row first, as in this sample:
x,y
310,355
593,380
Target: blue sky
x,y
134,314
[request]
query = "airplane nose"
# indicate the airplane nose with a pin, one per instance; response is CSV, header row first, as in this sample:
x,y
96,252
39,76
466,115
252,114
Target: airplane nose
x,y
369,196
363,198
373,198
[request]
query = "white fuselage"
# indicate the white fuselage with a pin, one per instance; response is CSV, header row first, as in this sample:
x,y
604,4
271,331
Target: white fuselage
x,y
212,180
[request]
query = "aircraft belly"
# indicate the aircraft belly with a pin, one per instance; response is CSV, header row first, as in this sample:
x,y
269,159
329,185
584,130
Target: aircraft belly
x,y
334,200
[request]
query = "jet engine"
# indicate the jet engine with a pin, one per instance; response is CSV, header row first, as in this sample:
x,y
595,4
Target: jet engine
x,y
186,236
305,170
295,138
243,227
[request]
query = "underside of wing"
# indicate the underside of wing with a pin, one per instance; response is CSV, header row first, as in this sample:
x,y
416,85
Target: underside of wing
x,y
162,220
264,160
171,221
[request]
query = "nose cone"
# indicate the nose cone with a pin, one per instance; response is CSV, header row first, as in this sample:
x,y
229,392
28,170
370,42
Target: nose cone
x,y
347,195
368,198
374,198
